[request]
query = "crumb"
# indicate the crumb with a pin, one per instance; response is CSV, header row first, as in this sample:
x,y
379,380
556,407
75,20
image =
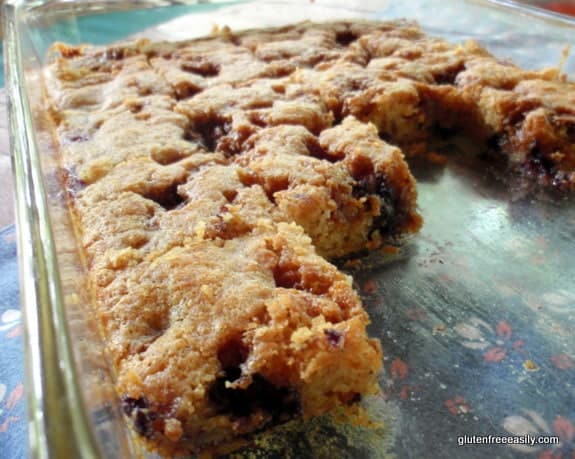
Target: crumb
x,y
436,158
390,249
439,329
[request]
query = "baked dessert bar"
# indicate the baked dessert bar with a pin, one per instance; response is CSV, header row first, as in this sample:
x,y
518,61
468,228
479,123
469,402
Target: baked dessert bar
x,y
210,181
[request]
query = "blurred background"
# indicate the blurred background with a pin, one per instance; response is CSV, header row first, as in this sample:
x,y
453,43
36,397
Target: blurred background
x,y
559,6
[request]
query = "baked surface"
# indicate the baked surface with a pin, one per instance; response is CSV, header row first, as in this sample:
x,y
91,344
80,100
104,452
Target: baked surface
x,y
211,179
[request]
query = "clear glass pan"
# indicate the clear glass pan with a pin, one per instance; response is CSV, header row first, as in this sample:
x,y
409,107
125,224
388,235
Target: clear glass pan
x,y
476,314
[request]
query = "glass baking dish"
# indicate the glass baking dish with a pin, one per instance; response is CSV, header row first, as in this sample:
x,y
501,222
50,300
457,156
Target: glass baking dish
x,y
476,313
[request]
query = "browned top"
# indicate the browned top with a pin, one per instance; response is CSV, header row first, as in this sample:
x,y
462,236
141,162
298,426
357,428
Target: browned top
x,y
206,176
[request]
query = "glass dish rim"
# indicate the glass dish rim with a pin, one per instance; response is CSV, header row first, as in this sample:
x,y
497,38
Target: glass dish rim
x,y
46,333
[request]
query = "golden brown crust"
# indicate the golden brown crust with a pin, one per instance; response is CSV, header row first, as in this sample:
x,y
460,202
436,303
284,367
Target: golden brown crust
x,y
208,178
192,199
241,333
